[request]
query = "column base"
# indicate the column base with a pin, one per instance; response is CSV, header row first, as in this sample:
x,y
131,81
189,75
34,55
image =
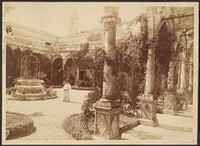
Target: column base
x,y
170,104
169,112
148,110
107,119
151,123
106,103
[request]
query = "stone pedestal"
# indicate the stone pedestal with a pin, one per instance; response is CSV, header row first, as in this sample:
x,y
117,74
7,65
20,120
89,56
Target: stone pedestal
x,y
170,104
148,110
107,119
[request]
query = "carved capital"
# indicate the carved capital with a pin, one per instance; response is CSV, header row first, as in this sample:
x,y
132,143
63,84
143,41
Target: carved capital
x,y
152,43
110,21
184,60
109,25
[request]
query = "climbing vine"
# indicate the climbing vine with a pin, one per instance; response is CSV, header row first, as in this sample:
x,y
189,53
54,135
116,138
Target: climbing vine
x,y
132,54
130,59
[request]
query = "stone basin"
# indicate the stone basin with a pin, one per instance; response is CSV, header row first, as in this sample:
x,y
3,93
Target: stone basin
x,y
29,89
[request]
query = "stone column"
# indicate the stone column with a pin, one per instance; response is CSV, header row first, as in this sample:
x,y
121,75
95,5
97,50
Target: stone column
x,y
191,77
51,79
183,70
64,69
179,73
148,103
169,99
149,84
77,75
171,76
108,108
191,71
183,65
190,88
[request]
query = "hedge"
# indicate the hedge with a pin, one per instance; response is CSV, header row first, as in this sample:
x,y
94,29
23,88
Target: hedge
x,y
18,125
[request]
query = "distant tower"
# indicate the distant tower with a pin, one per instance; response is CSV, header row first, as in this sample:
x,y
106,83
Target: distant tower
x,y
73,24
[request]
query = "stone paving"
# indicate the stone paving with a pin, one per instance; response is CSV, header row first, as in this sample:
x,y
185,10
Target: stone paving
x,y
172,129
48,116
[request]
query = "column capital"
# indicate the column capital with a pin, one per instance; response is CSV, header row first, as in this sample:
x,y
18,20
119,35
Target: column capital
x,y
153,42
191,64
110,18
110,21
183,59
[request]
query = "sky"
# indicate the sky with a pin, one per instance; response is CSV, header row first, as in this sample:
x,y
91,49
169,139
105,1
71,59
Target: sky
x,y
53,17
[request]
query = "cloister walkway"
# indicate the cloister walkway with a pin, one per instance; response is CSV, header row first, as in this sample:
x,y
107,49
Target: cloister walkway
x,y
171,129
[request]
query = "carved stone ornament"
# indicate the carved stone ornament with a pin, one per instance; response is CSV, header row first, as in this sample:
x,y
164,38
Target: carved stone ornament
x,y
153,42
110,21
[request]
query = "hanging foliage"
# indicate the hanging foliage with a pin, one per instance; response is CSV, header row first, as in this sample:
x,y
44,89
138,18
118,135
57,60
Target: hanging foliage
x,y
132,54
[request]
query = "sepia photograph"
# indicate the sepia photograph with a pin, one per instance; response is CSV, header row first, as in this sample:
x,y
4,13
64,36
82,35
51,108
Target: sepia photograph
x,y
100,73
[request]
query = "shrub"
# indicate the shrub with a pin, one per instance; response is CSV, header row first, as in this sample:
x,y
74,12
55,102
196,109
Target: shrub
x,y
18,125
72,125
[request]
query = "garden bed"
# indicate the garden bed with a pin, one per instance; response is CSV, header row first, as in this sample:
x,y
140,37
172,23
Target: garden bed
x,y
18,125
72,125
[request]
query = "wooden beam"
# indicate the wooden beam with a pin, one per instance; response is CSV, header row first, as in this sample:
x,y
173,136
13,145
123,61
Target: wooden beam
x,y
176,17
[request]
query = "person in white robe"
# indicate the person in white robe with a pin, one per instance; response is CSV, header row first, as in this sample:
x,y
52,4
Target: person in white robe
x,y
66,89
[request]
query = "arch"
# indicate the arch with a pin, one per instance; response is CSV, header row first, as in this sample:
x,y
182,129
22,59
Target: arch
x,y
163,55
56,56
45,71
49,56
69,62
67,57
57,72
13,58
160,24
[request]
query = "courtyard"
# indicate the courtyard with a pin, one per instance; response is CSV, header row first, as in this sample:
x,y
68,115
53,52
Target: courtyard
x,y
125,79
48,116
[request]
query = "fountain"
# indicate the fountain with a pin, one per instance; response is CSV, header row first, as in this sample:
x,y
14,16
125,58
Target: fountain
x,y
29,86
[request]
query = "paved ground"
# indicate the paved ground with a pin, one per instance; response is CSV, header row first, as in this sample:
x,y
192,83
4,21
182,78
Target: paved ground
x,y
50,115
171,129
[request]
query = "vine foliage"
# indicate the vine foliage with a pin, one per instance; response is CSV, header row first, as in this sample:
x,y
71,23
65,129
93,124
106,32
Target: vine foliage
x,y
131,60
87,115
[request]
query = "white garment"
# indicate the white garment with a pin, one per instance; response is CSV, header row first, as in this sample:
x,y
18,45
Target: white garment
x,y
66,90
67,87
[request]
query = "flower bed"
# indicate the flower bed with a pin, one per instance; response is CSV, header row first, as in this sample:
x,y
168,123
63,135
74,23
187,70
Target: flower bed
x,y
72,125
18,125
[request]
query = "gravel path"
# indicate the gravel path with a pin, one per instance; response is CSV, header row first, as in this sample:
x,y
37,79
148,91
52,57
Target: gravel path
x,y
48,115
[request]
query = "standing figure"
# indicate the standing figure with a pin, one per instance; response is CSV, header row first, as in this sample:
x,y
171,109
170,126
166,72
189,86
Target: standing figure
x,y
66,89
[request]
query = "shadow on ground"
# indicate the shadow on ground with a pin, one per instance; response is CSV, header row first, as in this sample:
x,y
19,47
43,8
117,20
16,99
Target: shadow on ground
x,y
174,128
